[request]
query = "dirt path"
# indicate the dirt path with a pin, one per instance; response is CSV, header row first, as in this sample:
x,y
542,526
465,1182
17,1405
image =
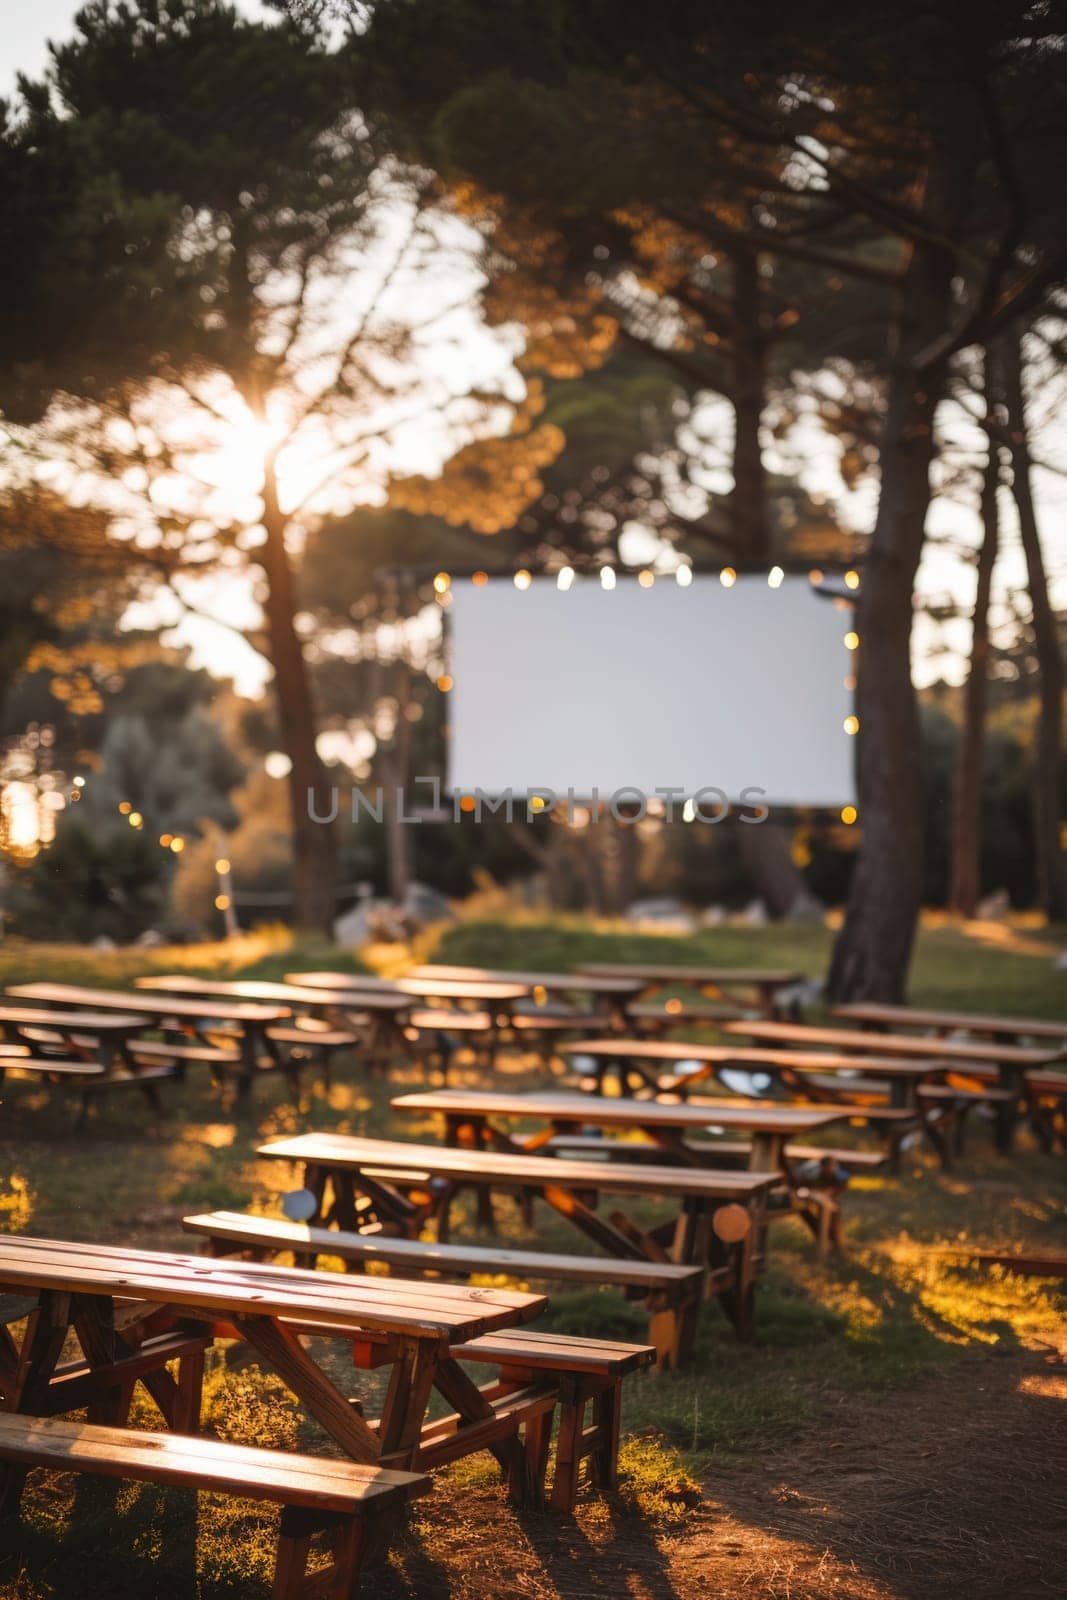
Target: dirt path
x,y
956,1487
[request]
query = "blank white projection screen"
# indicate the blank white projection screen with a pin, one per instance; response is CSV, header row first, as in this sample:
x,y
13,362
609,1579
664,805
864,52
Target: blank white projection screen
x,y
593,689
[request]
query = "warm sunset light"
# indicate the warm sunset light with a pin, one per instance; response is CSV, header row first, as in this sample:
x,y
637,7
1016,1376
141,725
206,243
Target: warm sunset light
x,y
514,1053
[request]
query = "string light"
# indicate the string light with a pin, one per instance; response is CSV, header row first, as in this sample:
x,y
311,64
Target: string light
x,y
815,575
125,807
222,902
135,819
177,845
442,582
850,683
727,577
165,839
645,578
852,580
683,577
607,577
852,640
774,578
522,579
445,682
848,815
222,866
852,725
479,579
79,782
564,578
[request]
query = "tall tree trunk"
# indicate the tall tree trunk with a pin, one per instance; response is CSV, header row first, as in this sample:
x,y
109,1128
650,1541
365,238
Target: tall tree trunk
x,y
749,510
775,876
1051,867
872,951
967,799
314,842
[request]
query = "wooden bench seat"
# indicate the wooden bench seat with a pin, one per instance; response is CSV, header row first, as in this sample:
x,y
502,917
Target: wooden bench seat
x,y
554,1021
441,1020
315,1038
732,1150
671,1292
589,1372
51,1066
199,1054
317,1494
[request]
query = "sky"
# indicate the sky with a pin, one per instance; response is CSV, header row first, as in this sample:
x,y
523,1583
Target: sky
x,y
28,24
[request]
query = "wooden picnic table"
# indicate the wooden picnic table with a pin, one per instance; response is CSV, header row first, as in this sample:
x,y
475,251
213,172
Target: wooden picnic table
x,y
550,982
719,1215
964,1057
795,1069
287,994
100,1035
382,1014
1011,1061
760,983
615,992
470,1115
488,993
1009,1029
111,1297
174,1013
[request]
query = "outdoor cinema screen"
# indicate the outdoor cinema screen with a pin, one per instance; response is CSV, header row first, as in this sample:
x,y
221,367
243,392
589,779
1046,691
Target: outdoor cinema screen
x,y
590,689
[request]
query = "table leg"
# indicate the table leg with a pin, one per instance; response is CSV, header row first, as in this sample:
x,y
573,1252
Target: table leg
x,y
283,1352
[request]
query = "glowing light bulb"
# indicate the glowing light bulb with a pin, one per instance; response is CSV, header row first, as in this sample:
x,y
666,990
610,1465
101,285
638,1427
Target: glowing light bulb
x,y
775,577
522,579
441,582
177,845
645,578
852,580
445,682
564,578
851,725
222,902
848,815
480,579
607,577
222,866
683,577
852,640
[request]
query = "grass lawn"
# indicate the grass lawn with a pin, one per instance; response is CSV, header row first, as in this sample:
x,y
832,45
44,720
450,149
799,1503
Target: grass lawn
x,y
892,1348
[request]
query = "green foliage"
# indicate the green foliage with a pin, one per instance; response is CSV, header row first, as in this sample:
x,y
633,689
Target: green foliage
x,y
89,884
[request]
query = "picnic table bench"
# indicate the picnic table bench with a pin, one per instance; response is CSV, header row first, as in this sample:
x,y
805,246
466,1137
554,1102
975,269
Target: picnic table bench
x,y
243,1024
317,1494
718,1215
634,1062
116,1300
938,1020
966,1058
613,993
88,1051
672,1292
472,1116
758,985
